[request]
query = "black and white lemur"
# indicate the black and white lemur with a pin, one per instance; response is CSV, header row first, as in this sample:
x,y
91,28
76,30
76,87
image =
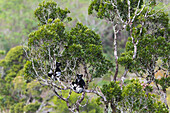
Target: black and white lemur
x,y
56,73
79,84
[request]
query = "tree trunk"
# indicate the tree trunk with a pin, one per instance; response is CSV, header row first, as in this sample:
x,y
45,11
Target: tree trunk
x,y
86,75
117,69
106,109
115,53
113,108
77,109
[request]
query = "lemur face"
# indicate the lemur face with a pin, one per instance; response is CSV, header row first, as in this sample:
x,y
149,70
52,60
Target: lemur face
x,y
79,76
58,64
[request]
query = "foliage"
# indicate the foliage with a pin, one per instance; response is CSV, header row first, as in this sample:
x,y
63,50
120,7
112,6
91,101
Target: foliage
x,y
60,106
112,91
139,18
79,46
16,21
7,97
105,8
133,97
2,52
153,45
136,99
17,108
13,62
4,42
15,90
19,84
164,82
149,35
33,107
75,47
49,10
92,107
34,89
28,71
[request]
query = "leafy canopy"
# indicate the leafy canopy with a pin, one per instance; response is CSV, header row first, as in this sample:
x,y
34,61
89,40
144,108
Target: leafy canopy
x,y
77,47
132,97
153,43
107,8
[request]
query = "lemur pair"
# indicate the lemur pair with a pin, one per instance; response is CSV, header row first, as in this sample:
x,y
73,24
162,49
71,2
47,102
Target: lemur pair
x,y
77,86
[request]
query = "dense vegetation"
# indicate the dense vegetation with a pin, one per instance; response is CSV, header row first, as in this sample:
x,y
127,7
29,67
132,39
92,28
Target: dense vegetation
x,y
121,48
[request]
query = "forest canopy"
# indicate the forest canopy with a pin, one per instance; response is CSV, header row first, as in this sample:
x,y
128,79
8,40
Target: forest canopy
x,y
120,49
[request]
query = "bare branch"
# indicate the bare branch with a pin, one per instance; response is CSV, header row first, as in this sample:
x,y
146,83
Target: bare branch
x,y
125,73
141,10
136,12
117,12
115,52
99,93
37,72
69,94
128,2
62,98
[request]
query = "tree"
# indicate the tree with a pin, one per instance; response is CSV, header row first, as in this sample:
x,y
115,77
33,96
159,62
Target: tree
x,y
17,108
80,51
12,64
138,98
33,107
112,92
152,50
148,41
88,105
16,22
77,49
19,85
123,14
130,97
15,91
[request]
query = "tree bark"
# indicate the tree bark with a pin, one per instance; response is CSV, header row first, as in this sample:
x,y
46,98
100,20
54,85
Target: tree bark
x,y
106,109
115,53
113,108
86,75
